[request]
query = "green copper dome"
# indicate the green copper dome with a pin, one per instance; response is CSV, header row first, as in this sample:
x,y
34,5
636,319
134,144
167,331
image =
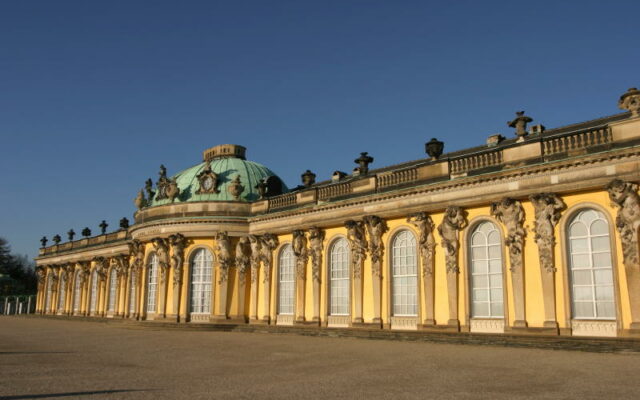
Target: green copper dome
x,y
225,164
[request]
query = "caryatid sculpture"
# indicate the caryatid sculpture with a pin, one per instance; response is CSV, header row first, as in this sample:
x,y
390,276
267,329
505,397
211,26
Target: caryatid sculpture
x,y
376,227
299,245
316,245
453,221
358,244
426,241
243,257
161,247
255,244
625,196
223,250
268,243
178,243
511,214
426,245
548,207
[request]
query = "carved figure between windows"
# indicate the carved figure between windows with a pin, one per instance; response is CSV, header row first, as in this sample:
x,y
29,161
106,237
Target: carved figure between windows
x,y
255,244
178,243
625,196
223,250
376,227
299,246
426,241
548,207
454,220
161,247
269,242
243,257
358,243
511,214
316,240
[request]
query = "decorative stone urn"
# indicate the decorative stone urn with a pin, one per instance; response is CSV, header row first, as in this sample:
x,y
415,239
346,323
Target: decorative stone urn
x,y
434,148
235,188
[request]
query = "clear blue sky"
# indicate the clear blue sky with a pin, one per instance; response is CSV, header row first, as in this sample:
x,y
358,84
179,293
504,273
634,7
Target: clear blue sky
x,y
95,95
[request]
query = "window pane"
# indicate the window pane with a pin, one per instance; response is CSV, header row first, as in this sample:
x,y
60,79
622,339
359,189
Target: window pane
x,y
404,269
486,283
590,265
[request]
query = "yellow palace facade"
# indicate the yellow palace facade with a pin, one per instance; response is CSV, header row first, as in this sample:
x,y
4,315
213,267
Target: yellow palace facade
x,y
534,234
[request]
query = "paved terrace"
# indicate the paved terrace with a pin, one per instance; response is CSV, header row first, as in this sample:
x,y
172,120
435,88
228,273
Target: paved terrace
x,y
48,358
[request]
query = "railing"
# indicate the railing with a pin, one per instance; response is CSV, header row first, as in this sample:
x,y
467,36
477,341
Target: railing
x,y
283,201
576,141
393,178
336,190
475,161
17,305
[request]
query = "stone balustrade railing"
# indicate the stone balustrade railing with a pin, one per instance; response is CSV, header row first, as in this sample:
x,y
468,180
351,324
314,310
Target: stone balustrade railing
x,y
576,141
334,190
475,161
393,178
283,201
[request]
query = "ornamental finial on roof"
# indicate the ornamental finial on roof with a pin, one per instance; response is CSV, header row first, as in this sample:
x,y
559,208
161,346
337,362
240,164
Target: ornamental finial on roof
x,y
520,123
630,101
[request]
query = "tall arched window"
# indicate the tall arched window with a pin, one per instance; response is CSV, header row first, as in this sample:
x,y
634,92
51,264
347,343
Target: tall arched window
x,y
113,282
47,302
62,293
132,292
404,269
77,292
201,275
286,281
94,291
152,283
485,275
590,266
339,278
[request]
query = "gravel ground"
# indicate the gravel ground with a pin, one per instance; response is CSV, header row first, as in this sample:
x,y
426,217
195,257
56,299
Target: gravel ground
x,y
49,359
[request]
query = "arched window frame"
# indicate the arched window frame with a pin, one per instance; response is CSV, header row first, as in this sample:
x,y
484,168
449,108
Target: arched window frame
x,y
565,220
62,292
285,247
77,293
94,287
390,281
192,254
340,239
112,293
467,259
151,310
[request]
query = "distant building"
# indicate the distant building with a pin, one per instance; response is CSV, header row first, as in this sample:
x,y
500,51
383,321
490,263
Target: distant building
x,y
537,233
